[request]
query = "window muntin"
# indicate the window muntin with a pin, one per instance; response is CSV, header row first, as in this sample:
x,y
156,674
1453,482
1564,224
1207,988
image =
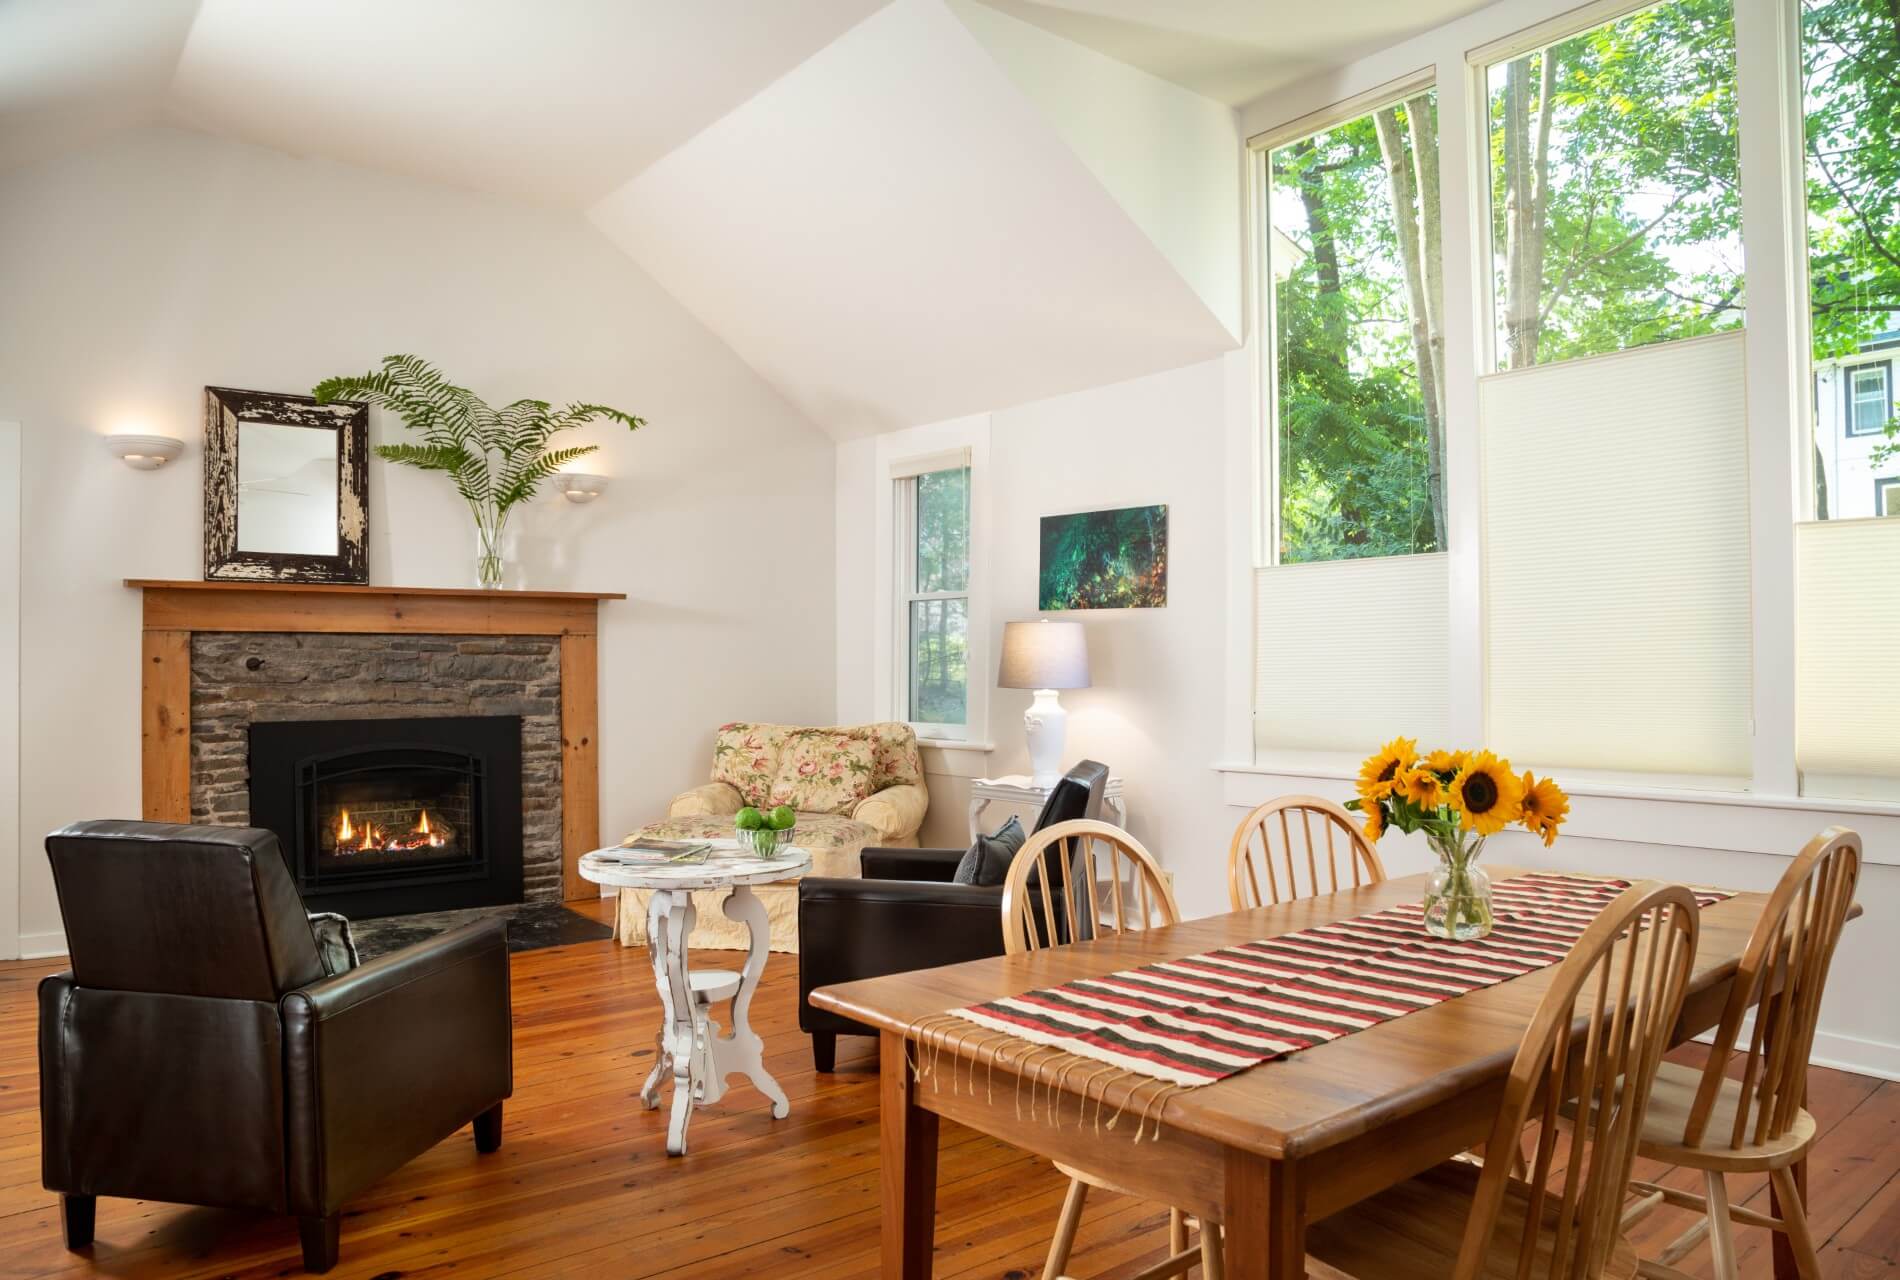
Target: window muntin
x,y
1869,399
1356,290
1615,194
934,600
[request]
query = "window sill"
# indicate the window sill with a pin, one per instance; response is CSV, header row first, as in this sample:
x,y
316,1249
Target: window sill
x,y
1677,817
955,744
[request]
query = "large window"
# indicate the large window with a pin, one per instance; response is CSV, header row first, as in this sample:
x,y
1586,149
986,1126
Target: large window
x,y
1850,53
1615,198
1358,337
933,522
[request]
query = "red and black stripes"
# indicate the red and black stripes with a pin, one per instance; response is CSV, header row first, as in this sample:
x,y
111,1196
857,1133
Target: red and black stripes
x,y
1204,1017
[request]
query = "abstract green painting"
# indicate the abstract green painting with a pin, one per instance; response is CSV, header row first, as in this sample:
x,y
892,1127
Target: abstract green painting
x,y
1105,560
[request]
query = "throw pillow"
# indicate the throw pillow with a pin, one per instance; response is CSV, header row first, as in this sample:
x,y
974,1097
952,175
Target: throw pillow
x,y
746,758
335,947
823,771
987,862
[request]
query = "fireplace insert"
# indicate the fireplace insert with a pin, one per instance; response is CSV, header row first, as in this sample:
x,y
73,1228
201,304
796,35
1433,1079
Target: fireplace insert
x,y
387,817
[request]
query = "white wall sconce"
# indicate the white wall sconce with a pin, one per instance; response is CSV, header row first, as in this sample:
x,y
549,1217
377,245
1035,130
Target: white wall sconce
x,y
578,486
144,453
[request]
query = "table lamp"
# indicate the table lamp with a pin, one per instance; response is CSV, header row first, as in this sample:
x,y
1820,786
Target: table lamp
x,y
1044,656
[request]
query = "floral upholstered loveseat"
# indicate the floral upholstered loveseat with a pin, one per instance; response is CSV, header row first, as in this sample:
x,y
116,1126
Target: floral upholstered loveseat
x,y
852,785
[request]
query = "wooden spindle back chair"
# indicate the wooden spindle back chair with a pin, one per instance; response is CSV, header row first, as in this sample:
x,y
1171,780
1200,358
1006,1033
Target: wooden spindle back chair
x,y
1625,980
1294,847
1091,878
1782,975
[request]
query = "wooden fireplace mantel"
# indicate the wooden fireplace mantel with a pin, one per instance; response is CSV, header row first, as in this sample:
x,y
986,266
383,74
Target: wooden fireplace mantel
x,y
175,609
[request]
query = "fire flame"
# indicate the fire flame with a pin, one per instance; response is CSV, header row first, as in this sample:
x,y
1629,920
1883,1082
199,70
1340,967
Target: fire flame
x,y
368,837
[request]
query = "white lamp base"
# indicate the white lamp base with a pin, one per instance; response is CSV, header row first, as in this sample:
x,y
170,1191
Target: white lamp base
x,y
1047,725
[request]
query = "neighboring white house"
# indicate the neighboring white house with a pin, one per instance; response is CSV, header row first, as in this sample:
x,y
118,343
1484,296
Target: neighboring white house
x,y
1853,403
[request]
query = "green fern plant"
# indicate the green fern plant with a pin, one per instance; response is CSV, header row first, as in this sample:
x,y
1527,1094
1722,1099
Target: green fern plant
x,y
496,458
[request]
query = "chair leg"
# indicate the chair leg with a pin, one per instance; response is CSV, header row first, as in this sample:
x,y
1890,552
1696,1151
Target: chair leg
x,y
1066,1224
1794,1217
320,1241
1177,1231
76,1215
824,1051
1721,1230
488,1130
1211,1263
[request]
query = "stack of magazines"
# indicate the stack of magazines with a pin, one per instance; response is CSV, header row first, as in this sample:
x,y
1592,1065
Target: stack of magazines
x,y
652,853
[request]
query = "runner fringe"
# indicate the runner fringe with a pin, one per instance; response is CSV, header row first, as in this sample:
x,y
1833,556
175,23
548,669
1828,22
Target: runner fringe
x,y
1049,1072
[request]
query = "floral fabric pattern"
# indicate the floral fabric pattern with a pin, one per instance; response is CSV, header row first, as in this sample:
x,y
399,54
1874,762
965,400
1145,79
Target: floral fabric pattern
x,y
745,757
823,771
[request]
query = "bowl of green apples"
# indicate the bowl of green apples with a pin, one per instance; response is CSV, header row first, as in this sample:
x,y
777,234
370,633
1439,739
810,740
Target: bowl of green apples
x,y
763,832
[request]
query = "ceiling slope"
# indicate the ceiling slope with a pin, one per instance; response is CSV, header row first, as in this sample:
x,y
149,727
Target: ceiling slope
x,y
895,234
1170,157
555,101
1236,50
73,70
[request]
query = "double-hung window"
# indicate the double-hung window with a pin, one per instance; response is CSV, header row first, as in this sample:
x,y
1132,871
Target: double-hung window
x,y
1869,399
932,510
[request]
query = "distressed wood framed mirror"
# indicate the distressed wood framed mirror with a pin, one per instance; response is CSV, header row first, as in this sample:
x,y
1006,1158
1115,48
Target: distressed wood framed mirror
x,y
286,488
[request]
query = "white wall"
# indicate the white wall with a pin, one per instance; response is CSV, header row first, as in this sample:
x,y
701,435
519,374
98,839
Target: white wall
x,y
160,261
1155,711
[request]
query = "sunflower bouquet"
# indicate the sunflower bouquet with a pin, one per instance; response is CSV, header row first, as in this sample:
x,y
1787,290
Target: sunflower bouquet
x,y
1458,799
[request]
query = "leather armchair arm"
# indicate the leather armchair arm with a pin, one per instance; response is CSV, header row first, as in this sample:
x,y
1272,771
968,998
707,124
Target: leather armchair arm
x,y
897,812
386,1060
851,929
922,865
709,799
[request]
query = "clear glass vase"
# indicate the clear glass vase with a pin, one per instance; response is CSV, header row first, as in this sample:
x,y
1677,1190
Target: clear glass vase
x,y
491,550
1458,895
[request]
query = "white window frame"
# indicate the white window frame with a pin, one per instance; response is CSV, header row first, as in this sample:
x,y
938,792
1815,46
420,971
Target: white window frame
x,y
900,455
904,506
1852,395
1260,149
1886,492
1770,816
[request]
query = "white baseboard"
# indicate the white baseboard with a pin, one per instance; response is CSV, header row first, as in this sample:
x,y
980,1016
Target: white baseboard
x,y
1851,1053
43,946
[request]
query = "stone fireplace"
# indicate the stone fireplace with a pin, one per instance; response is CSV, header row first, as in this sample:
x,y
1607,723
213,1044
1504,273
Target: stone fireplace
x,y
413,748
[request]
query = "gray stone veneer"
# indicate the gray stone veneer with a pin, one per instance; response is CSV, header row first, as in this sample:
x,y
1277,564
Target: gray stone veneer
x,y
238,678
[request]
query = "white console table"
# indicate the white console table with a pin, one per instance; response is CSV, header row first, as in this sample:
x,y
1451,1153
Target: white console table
x,y
1017,789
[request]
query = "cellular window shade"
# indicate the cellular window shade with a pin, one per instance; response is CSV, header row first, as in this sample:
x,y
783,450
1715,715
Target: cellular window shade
x,y
1847,636
1616,568
948,460
1350,652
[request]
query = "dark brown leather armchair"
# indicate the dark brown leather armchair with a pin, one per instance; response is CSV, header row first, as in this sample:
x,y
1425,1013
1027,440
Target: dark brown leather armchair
x,y
906,914
197,1053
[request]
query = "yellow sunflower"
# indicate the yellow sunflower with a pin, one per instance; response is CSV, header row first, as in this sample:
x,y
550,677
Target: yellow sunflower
x,y
1381,771
1545,806
1442,761
1487,795
1422,787
1375,821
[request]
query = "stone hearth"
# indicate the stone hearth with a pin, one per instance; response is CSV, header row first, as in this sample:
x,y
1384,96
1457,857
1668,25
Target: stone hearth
x,y
238,679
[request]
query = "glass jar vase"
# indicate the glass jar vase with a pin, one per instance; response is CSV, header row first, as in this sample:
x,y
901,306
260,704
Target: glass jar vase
x,y
1458,895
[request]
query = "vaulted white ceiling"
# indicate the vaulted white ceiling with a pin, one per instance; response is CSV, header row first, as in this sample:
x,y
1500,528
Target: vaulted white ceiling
x,y
894,210
1236,50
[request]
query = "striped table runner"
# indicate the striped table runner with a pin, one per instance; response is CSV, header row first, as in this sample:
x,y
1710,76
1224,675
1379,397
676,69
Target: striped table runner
x,y
1204,1017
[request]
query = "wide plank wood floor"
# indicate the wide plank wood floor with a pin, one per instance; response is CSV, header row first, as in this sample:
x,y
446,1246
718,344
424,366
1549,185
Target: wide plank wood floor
x,y
582,1186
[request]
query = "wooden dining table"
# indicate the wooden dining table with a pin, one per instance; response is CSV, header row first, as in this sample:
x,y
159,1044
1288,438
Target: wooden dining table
x,y
1263,1152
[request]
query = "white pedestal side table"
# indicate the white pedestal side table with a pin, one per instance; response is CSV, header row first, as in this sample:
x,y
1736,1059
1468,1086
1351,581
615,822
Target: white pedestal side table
x,y
1019,789
690,1049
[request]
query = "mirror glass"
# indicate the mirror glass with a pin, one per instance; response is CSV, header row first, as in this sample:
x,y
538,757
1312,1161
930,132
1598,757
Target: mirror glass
x,y
287,489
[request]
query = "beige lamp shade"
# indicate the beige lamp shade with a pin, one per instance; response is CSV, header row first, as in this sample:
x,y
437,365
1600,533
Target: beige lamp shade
x,y
1044,655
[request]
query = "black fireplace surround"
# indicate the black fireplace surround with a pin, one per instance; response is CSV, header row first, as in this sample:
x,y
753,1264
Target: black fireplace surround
x,y
389,817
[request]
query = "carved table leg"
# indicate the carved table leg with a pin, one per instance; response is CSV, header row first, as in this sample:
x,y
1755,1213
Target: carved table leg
x,y
662,1061
743,1050
680,1029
